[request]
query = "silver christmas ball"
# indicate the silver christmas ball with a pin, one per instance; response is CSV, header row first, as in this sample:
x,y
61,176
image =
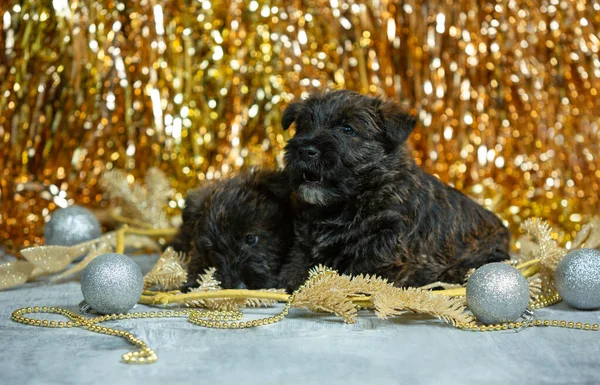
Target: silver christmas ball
x,y
497,293
577,278
111,283
72,225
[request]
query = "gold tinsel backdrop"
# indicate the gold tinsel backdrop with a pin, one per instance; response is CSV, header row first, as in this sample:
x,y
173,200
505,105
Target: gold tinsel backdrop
x,y
506,93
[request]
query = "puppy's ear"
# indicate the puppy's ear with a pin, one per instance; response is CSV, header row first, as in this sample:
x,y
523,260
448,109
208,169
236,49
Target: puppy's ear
x,y
290,114
196,201
193,210
397,125
273,183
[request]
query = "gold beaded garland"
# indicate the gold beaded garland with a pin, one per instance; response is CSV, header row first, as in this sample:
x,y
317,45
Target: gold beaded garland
x,y
146,355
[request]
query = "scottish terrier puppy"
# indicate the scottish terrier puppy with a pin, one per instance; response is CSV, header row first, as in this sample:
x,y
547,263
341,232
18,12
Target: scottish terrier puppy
x,y
241,226
364,206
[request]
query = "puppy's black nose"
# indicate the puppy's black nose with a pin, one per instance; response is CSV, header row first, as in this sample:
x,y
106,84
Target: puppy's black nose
x,y
308,152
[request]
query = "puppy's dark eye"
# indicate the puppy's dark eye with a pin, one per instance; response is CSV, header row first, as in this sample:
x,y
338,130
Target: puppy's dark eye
x,y
204,243
251,239
347,130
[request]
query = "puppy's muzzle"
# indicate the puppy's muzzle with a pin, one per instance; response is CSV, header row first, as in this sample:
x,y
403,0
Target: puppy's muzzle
x,y
309,153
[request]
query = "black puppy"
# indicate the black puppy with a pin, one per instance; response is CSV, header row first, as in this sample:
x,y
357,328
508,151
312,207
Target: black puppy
x,y
241,226
364,206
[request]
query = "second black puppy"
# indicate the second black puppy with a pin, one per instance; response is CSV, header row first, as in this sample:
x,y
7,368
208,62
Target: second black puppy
x,y
364,206
241,226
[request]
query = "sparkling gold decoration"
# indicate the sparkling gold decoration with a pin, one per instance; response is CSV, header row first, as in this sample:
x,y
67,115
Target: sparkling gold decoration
x,y
169,272
325,290
535,287
540,252
328,291
208,282
506,94
396,302
548,253
143,205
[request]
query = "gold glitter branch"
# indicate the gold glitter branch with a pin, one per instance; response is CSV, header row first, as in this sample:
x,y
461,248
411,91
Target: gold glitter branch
x,y
143,206
395,302
543,254
169,272
328,291
541,233
207,282
325,290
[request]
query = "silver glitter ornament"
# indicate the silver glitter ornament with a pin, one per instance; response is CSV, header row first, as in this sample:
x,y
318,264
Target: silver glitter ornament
x,y
71,225
577,278
497,293
111,283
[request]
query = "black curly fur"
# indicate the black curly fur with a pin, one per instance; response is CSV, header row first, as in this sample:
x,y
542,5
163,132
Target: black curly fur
x,y
219,216
364,206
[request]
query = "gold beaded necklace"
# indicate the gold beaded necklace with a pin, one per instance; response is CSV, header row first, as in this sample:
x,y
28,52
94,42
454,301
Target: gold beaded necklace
x,y
145,354
232,320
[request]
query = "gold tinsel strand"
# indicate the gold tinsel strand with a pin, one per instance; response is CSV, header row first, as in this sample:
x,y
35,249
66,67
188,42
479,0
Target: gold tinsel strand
x,y
506,93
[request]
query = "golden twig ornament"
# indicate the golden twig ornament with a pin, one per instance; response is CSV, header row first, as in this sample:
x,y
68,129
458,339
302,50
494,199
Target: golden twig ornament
x,y
208,282
144,206
549,252
327,291
392,301
169,272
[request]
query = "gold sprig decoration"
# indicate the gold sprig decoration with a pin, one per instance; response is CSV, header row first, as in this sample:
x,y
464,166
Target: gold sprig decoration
x,y
392,301
548,251
325,290
329,291
143,206
208,282
541,252
169,272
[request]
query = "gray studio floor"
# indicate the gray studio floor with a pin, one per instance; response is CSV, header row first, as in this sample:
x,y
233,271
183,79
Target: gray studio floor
x,y
304,349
